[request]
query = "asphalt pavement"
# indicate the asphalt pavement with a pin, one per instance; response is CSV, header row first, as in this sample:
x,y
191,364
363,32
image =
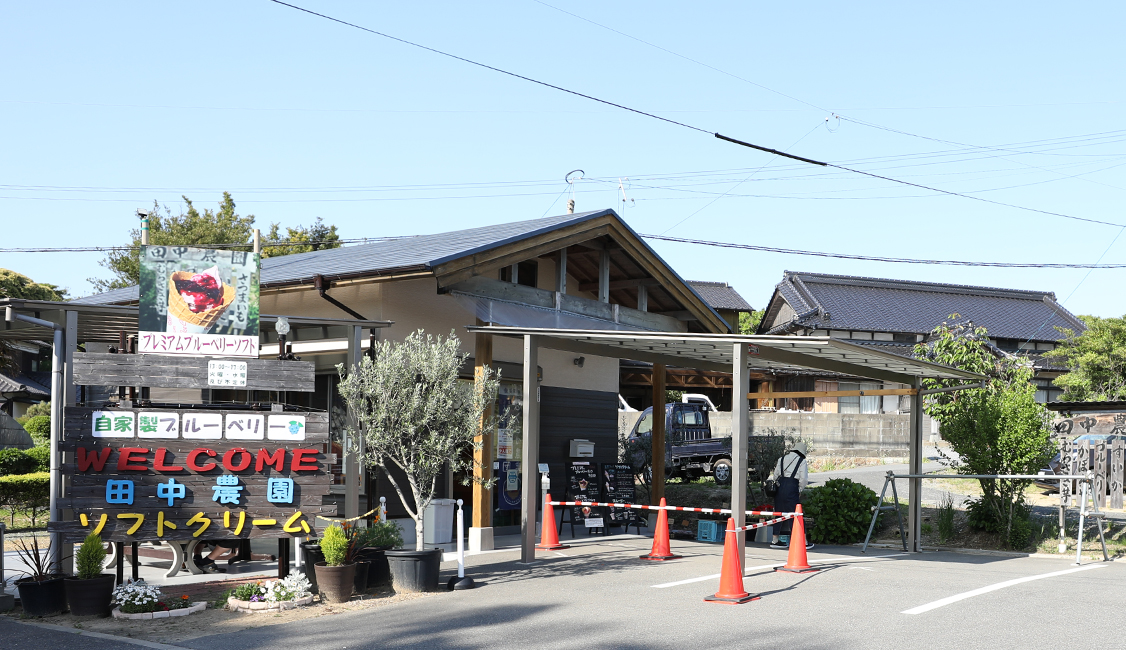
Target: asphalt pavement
x,y
597,594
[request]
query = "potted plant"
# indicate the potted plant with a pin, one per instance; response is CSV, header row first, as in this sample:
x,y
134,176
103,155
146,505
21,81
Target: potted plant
x,y
418,420
90,593
373,543
335,576
42,592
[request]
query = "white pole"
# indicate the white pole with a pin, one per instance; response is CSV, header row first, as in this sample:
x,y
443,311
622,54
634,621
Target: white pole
x,y
460,541
1082,516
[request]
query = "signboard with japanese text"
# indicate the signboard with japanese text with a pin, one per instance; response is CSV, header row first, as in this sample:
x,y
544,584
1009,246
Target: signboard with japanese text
x,y
226,373
162,474
198,301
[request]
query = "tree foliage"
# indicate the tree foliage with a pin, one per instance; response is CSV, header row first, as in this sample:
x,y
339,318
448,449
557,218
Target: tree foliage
x,y
204,229
17,285
1096,360
416,415
999,429
749,321
302,239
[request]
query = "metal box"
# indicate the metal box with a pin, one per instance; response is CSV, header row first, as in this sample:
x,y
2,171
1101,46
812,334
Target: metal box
x,y
582,449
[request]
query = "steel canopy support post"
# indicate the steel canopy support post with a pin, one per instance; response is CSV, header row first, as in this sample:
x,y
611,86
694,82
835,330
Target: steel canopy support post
x,y
657,441
915,485
740,429
352,447
58,398
530,459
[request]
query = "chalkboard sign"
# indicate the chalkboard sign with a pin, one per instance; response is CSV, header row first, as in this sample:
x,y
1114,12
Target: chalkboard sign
x,y
618,487
582,485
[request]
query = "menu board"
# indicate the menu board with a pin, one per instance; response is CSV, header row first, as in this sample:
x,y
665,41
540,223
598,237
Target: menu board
x,y
582,485
618,487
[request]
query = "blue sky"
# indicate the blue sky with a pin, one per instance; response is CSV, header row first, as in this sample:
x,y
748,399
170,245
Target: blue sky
x,y
108,106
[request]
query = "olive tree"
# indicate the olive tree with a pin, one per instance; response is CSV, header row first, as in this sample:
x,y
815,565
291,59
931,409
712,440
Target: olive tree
x,y
416,416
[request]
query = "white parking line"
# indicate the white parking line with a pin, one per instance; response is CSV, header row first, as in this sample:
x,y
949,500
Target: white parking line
x,y
749,570
1000,585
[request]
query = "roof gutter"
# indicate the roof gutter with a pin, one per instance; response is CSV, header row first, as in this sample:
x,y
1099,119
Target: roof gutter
x,y
323,286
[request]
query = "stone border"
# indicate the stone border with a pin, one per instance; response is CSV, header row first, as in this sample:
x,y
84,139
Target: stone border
x,y
261,607
199,605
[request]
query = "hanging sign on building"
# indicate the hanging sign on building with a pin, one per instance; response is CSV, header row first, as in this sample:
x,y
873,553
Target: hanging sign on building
x,y
149,475
198,301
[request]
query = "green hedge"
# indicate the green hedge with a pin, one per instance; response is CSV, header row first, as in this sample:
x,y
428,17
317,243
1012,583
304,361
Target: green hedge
x,y
39,427
42,457
841,509
26,493
16,461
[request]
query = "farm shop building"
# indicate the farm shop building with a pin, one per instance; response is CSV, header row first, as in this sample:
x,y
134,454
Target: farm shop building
x,y
578,271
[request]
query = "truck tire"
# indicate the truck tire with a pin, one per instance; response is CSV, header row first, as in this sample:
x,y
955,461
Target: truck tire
x,y
721,471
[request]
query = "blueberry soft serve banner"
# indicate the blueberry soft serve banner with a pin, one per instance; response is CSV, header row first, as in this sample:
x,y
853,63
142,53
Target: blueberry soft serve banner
x,y
197,301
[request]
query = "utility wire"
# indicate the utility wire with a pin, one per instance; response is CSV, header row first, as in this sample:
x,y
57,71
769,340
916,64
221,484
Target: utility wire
x,y
682,124
682,240
873,258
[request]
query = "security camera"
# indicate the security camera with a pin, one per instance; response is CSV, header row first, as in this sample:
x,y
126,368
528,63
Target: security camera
x,y
142,214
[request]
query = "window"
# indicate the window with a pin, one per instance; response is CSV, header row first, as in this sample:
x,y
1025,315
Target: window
x,y
689,418
646,424
859,404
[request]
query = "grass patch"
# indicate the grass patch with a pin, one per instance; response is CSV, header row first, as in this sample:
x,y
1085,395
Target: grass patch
x,y
834,463
21,522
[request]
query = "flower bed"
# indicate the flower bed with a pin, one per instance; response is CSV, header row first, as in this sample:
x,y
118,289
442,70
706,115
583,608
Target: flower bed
x,y
272,595
140,600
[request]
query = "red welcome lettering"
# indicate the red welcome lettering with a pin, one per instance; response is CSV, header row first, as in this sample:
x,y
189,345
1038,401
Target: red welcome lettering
x,y
244,462
125,460
277,459
97,458
158,462
299,463
194,466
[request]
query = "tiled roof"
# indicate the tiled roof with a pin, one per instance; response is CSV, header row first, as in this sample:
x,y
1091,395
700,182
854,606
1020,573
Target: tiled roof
x,y
23,383
882,305
403,253
720,295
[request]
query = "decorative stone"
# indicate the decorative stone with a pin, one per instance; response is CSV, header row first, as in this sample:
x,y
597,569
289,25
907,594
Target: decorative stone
x,y
193,608
262,607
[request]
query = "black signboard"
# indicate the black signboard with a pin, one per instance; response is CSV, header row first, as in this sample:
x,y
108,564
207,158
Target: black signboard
x,y
618,487
582,485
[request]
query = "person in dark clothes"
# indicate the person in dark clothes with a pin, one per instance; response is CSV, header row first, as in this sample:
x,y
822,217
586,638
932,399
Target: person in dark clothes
x,y
791,475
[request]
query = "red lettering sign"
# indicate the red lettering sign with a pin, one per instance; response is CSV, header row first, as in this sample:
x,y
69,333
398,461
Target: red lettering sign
x,y
98,459
244,462
300,463
265,459
125,459
158,462
196,467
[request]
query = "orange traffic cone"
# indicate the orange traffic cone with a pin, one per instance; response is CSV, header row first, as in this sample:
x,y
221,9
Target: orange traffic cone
x,y
549,537
731,589
796,561
661,551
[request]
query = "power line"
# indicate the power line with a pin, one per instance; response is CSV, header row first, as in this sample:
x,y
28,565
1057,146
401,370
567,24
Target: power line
x,y
873,258
682,124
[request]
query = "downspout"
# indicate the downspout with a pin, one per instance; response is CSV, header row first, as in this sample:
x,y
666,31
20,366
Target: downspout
x,y
323,286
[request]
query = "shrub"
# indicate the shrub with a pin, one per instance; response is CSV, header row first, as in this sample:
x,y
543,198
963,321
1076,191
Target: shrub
x,y
380,533
842,510
946,518
91,557
334,545
28,493
39,427
42,457
15,461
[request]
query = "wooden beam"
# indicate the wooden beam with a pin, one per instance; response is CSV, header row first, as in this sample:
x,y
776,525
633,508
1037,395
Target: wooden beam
x,y
834,393
483,456
622,284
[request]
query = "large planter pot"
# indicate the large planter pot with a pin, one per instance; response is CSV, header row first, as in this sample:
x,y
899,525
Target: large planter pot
x,y
313,555
89,597
414,571
379,573
335,582
42,598
360,583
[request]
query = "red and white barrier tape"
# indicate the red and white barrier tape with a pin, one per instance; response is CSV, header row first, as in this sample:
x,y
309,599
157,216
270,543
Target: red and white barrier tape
x,y
717,511
763,523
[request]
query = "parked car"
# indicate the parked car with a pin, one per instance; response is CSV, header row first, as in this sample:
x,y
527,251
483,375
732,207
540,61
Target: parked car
x,y
690,450
1056,467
